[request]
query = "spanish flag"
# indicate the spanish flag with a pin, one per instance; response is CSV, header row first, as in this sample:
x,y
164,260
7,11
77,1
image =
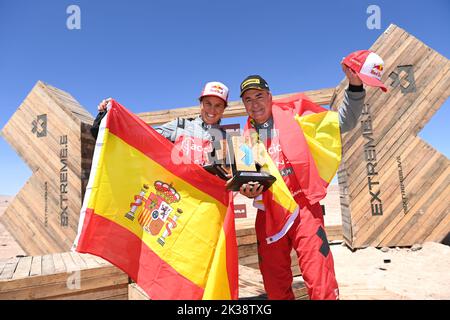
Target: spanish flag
x,y
309,139
170,227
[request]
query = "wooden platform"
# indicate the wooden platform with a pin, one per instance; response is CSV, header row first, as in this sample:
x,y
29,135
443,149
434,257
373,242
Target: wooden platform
x,y
63,276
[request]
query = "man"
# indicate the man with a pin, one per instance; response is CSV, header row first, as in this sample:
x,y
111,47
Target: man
x,y
306,234
199,138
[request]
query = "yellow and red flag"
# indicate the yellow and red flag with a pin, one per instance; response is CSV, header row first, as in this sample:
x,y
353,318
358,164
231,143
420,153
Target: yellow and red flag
x,y
310,139
169,226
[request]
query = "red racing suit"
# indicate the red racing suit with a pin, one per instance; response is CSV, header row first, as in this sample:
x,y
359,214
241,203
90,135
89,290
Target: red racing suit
x,y
307,234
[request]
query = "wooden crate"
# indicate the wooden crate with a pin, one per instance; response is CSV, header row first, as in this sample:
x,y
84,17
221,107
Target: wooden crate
x,y
50,132
62,276
394,186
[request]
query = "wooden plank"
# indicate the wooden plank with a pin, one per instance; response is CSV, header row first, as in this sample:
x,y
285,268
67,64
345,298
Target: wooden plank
x,y
101,261
9,269
117,292
52,288
61,279
71,266
47,287
36,266
245,240
393,216
23,268
136,293
251,285
3,263
433,202
247,250
441,230
81,264
412,151
48,266
90,261
299,288
59,263
397,221
234,109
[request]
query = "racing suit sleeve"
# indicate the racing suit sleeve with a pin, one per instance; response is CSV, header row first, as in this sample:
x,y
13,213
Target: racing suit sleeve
x,y
168,130
96,124
351,107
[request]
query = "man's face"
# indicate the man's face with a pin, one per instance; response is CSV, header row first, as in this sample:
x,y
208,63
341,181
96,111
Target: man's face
x,y
211,109
258,104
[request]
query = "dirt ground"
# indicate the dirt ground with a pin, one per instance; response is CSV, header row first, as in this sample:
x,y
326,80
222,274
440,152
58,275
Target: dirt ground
x,y
399,273
420,272
9,248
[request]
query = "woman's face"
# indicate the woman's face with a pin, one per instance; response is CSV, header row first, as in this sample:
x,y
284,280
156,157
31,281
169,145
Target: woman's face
x,y
211,109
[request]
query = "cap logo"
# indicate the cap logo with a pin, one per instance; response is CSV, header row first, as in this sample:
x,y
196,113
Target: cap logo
x,y
216,88
250,81
378,67
377,70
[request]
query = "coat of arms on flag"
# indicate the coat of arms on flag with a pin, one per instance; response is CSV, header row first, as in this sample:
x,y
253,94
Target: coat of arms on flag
x,y
156,211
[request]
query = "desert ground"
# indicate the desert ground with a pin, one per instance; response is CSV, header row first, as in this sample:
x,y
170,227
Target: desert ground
x,y
9,248
417,273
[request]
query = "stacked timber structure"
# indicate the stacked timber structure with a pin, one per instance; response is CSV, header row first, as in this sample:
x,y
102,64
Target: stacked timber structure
x,y
50,132
394,186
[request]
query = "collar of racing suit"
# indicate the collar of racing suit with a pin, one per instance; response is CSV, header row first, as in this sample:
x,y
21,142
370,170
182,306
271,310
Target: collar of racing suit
x,y
208,126
265,130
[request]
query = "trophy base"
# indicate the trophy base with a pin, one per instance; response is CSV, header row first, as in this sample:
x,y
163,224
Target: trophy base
x,y
243,177
216,170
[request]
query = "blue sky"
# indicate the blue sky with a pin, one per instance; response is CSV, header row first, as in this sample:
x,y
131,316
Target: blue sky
x,y
153,55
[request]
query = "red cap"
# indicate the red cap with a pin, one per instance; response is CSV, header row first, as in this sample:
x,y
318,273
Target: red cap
x,y
368,66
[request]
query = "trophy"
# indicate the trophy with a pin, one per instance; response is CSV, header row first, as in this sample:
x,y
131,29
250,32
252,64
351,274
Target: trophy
x,y
216,160
245,163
